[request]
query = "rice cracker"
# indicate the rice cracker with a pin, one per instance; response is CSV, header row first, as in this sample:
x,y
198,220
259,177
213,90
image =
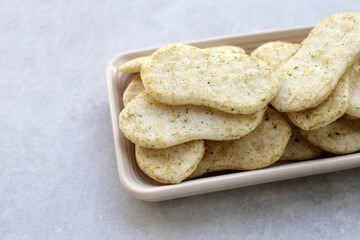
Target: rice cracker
x,y
339,137
310,76
151,124
134,65
134,88
275,53
170,165
234,83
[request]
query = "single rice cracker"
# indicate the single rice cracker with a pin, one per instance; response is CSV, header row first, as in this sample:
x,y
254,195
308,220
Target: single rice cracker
x,y
235,83
275,53
134,88
151,124
328,111
354,76
310,76
260,148
339,137
170,165
134,65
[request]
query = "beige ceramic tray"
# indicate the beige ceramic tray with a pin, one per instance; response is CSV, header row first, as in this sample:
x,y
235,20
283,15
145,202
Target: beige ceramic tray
x,y
142,187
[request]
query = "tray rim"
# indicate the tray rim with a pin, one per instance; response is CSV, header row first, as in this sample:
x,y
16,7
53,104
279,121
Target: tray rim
x,y
220,182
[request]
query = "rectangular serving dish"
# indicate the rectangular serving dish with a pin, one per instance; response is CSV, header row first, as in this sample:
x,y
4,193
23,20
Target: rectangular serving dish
x,y
141,186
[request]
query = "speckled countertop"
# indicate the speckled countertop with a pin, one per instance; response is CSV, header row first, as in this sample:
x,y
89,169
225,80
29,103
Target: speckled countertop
x,y
58,177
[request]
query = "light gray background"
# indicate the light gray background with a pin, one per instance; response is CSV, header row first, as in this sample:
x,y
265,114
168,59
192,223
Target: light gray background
x,y
58,177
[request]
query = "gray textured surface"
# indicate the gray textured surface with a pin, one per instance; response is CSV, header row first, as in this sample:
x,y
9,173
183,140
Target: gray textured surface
x,y
58,177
